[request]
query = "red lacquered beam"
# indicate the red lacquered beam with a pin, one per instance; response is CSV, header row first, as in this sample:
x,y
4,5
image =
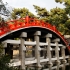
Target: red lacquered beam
x,y
2,31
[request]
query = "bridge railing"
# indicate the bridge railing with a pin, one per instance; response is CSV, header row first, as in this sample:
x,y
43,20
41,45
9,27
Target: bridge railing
x,y
25,22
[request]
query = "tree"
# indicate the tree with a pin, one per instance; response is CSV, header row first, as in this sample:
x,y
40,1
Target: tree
x,y
67,24
41,12
4,63
3,22
20,13
56,16
67,10
3,10
66,3
59,1
1,48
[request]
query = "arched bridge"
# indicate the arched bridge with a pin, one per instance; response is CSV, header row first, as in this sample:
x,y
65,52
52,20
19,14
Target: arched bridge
x,y
36,35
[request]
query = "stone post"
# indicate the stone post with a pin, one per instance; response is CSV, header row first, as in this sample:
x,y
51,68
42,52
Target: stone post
x,y
64,66
22,49
48,40
58,66
37,48
63,53
57,49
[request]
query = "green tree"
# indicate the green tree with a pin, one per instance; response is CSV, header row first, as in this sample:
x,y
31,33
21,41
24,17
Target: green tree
x,y
59,1
56,16
41,12
1,48
67,10
4,63
3,22
66,4
67,24
20,13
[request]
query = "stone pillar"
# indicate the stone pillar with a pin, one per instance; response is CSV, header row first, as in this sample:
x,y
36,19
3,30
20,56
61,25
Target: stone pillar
x,y
58,66
45,52
22,49
64,66
37,48
63,53
57,49
48,40
50,67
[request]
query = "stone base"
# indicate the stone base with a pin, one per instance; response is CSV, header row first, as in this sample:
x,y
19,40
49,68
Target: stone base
x,y
23,69
39,66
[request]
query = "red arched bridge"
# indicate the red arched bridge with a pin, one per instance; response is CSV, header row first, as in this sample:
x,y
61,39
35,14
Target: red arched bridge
x,y
36,35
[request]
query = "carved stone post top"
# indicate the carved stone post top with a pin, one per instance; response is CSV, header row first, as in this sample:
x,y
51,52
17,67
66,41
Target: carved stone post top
x,y
48,35
37,33
56,40
23,34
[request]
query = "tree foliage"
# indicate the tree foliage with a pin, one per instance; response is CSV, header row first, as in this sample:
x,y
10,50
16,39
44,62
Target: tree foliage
x,y
66,3
3,9
67,12
1,48
56,16
4,63
20,13
41,12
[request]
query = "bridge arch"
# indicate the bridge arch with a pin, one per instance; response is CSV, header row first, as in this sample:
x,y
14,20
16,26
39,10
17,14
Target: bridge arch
x,y
43,35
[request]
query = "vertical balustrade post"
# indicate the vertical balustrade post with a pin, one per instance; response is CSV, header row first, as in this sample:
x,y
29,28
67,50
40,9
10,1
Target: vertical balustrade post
x,y
64,66
57,49
63,53
22,49
48,40
37,48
